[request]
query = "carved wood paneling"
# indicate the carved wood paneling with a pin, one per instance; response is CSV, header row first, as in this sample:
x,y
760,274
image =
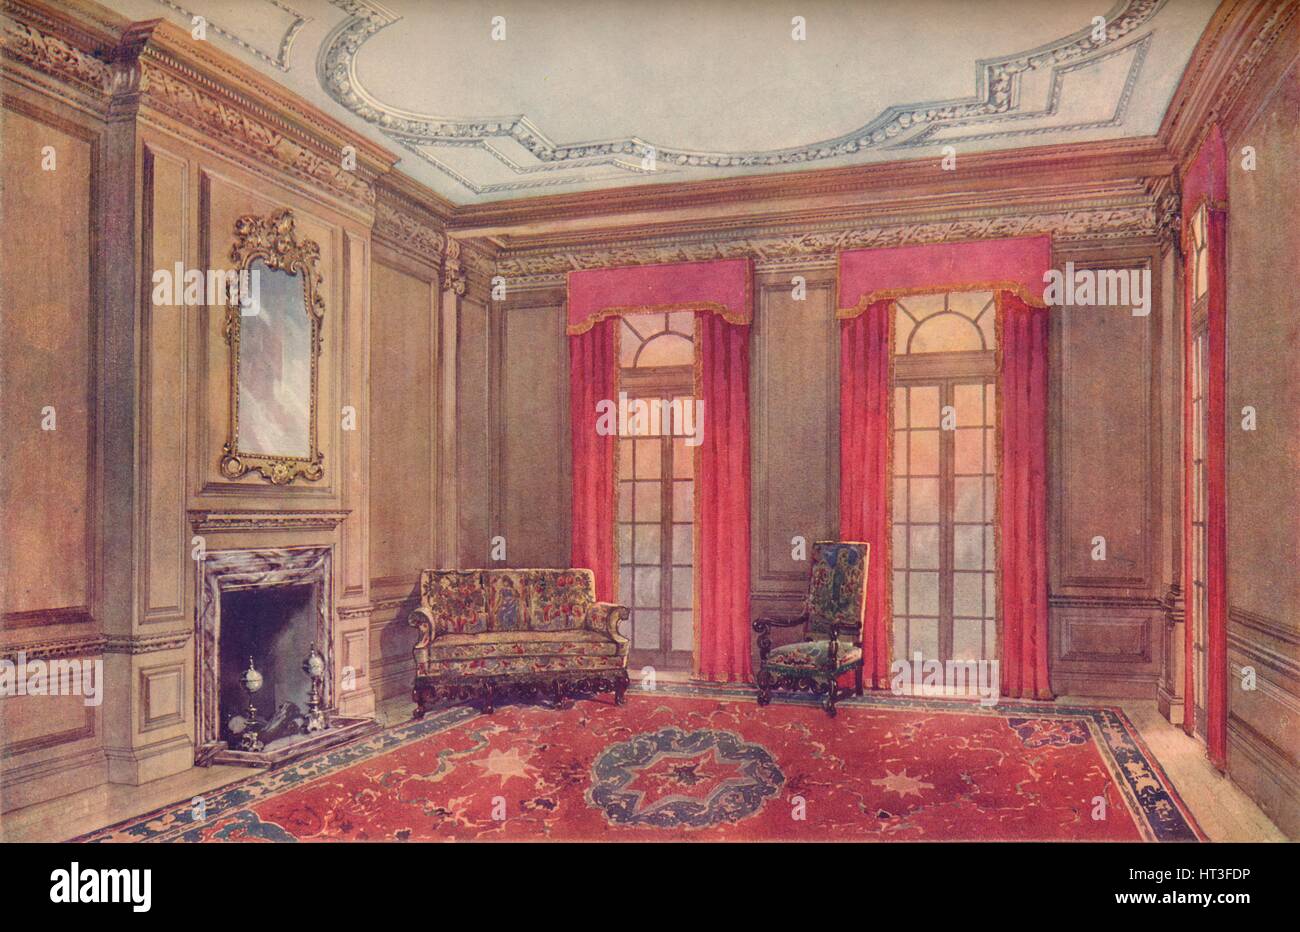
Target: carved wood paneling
x,y
531,433
49,368
1105,444
794,417
164,421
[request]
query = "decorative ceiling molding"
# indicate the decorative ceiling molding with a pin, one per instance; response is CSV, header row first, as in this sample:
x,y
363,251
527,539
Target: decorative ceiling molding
x,y
996,101
280,58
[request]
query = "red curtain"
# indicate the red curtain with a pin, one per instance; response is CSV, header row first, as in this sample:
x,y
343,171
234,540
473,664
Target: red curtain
x,y
1205,184
593,376
865,469
1023,498
722,501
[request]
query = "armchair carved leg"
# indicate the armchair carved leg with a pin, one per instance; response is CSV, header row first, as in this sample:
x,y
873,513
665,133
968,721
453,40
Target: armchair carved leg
x,y
558,687
489,698
857,681
831,694
764,681
620,687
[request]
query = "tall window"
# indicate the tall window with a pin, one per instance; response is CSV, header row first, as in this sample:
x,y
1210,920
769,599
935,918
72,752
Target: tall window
x,y
945,473
656,492
1200,323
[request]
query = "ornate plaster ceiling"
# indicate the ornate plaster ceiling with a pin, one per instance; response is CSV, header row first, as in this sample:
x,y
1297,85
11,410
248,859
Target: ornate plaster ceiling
x,y
589,94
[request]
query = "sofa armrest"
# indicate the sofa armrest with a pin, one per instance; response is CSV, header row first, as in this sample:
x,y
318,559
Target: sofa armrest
x,y
604,617
422,620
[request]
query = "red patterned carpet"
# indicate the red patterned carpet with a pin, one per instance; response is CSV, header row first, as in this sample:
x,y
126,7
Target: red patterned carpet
x,y
688,763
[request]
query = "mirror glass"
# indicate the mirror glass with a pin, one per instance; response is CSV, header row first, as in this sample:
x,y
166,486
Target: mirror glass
x,y
275,357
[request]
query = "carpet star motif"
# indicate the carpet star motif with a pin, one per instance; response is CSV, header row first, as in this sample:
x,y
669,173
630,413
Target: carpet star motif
x,y
506,764
901,783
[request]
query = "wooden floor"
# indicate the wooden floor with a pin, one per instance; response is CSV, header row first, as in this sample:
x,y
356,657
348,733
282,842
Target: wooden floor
x,y
1224,812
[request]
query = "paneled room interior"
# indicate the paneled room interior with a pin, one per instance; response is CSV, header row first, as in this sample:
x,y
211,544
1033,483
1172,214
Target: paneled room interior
x,y
442,421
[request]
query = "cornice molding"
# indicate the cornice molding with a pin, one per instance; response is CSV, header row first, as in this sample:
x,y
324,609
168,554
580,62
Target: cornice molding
x,y
403,226
1230,54
153,67
773,198
774,249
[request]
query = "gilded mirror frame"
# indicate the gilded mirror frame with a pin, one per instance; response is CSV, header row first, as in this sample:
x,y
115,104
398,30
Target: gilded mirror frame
x,y
273,240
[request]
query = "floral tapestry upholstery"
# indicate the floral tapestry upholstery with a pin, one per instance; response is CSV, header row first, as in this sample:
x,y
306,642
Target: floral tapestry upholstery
x,y
558,601
504,623
837,589
458,598
523,644
804,656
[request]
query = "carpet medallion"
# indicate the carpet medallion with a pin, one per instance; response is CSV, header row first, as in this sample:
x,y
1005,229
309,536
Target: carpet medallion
x,y
704,763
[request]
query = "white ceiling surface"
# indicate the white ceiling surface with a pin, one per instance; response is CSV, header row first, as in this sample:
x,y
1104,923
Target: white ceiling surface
x,y
578,90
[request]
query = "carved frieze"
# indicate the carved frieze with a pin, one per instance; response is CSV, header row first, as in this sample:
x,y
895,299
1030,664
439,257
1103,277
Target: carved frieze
x,y
408,232
240,128
793,246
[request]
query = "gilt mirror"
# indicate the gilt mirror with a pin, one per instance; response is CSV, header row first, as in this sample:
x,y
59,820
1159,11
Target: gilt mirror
x,y
273,321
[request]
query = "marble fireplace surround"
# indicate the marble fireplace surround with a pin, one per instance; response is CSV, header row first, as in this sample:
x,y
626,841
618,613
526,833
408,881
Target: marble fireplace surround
x,y
239,570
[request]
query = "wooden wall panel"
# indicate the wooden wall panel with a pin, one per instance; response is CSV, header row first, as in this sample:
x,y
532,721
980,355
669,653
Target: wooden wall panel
x,y
47,483
168,225
794,384
472,398
1106,450
533,435
1263,491
403,441
1104,447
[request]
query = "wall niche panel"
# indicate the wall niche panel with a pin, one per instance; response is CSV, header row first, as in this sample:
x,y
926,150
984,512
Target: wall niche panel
x,y
47,369
532,424
402,434
794,406
1104,423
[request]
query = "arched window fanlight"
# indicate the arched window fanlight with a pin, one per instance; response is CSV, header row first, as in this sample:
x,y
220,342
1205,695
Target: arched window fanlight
x,y
948,322
654,340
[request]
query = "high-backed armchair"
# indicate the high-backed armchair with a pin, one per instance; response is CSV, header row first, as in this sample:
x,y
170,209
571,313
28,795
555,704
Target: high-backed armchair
x,y
832,627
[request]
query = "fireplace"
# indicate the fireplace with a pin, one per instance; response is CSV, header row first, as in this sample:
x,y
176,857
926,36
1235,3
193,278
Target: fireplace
x,y
269,610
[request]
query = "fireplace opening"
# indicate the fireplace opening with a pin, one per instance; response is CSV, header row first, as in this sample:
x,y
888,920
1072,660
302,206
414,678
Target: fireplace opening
x,y
276,628
274,607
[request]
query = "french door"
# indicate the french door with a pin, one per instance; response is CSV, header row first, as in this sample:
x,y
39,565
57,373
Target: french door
x,y
655,539
1199,540
944,508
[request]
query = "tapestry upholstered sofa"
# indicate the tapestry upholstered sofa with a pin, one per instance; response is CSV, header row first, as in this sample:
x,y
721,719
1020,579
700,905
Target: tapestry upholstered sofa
x,y
481,631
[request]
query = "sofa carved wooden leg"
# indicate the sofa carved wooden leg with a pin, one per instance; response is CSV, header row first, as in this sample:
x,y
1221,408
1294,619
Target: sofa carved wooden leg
x,y
558,691
419,697
620,688
489,699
